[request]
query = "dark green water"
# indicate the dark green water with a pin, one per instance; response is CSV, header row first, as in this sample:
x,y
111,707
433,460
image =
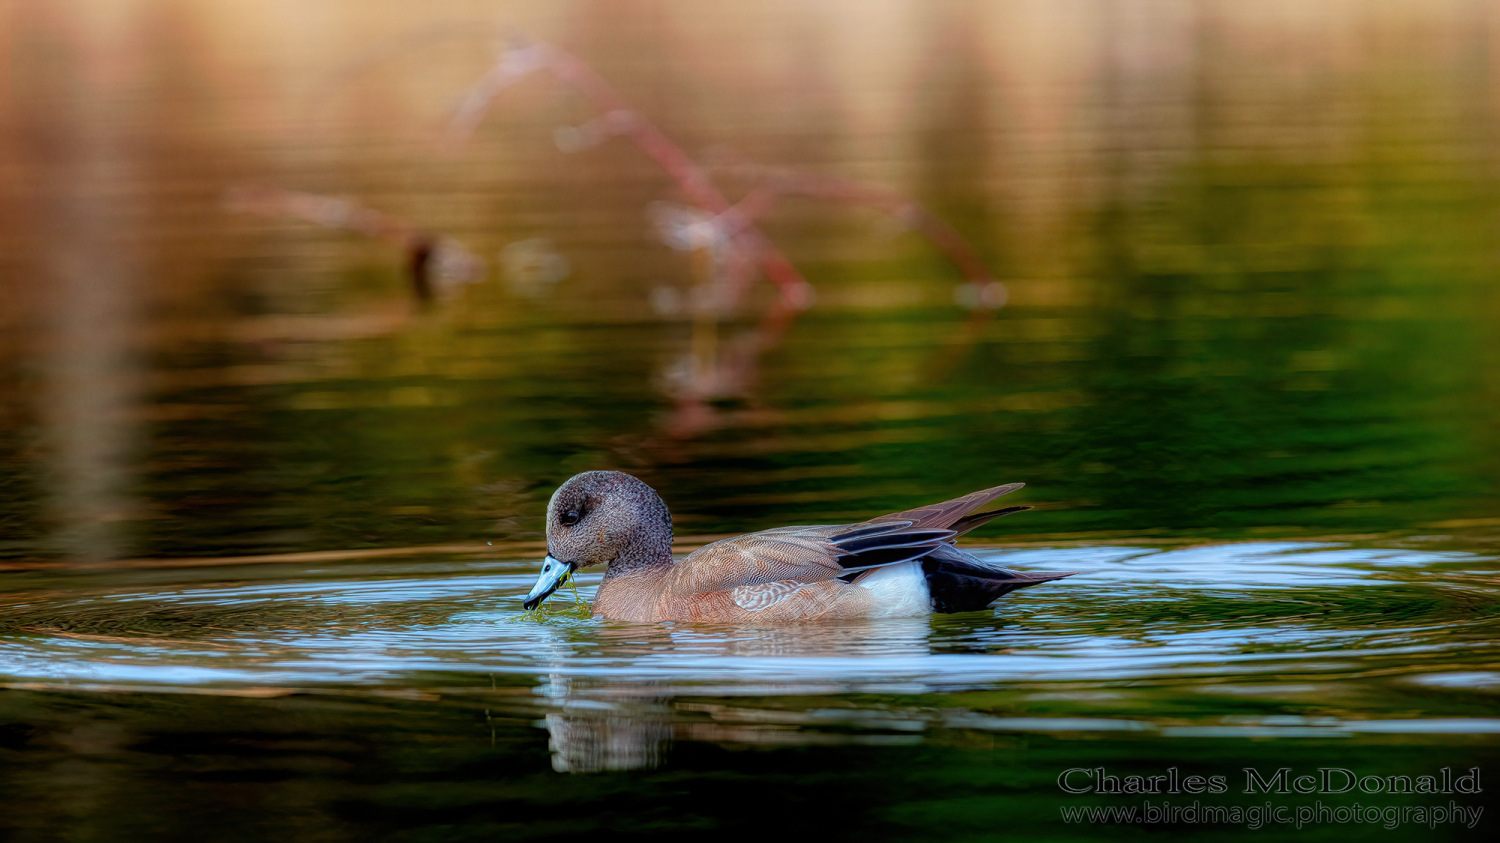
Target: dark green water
x,y
265,524
410,699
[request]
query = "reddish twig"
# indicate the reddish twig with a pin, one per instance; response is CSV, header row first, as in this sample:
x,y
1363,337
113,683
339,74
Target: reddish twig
x,y
731,373
618,118
737,221
772,185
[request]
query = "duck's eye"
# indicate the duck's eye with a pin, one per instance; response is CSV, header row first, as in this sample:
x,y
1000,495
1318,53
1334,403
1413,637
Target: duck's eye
x,y
569,518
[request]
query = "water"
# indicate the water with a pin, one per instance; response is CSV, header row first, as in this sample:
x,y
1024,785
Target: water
x,y
1232,613
265,520
416,689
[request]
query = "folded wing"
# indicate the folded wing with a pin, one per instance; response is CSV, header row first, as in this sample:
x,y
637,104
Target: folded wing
x,y
818,554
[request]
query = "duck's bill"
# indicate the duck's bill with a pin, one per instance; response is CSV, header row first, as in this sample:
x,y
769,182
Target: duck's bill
x,y
554,574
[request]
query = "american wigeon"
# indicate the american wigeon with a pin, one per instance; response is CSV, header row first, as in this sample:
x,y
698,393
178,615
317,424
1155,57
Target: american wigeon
x,y
896,565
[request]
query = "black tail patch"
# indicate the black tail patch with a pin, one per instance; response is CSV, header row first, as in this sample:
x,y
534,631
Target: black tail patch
x,y
960,582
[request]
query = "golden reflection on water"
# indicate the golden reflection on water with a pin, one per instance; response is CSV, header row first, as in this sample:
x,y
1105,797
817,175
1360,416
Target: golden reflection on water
x,y
1086,153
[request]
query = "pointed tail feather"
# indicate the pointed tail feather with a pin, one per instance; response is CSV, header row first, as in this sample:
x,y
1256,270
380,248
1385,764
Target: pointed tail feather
x,y
958,581
979,519
945,514
953,591
1031,578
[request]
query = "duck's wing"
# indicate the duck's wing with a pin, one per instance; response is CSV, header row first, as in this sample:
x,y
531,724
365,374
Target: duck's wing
x,y
802,555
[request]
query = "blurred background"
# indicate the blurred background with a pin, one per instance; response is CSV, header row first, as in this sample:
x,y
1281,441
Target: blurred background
x,y
1211,268
306,307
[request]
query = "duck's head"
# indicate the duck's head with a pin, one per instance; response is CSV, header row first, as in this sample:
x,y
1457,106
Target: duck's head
x,y
598,518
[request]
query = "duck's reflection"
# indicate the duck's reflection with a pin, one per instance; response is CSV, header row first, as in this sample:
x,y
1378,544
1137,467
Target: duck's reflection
x,y
859,639
608,727
599,724
593,744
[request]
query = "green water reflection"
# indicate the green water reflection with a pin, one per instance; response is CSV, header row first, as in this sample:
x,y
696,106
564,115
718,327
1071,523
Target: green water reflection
x,y
1247,363
1235,318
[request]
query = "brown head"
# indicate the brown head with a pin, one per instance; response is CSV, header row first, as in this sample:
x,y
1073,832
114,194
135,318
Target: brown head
x,y
602,518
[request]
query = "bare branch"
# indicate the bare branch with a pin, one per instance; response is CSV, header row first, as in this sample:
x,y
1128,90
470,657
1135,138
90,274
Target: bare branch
x,y
620,119
772,184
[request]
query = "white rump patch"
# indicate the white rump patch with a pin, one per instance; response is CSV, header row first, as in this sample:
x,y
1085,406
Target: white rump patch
x,y
753,598
899,591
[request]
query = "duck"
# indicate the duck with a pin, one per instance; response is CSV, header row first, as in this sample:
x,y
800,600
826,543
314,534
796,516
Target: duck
x,y
899,565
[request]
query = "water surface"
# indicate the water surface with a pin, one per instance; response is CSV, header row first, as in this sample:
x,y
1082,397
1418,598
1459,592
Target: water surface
x,y
1208,657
